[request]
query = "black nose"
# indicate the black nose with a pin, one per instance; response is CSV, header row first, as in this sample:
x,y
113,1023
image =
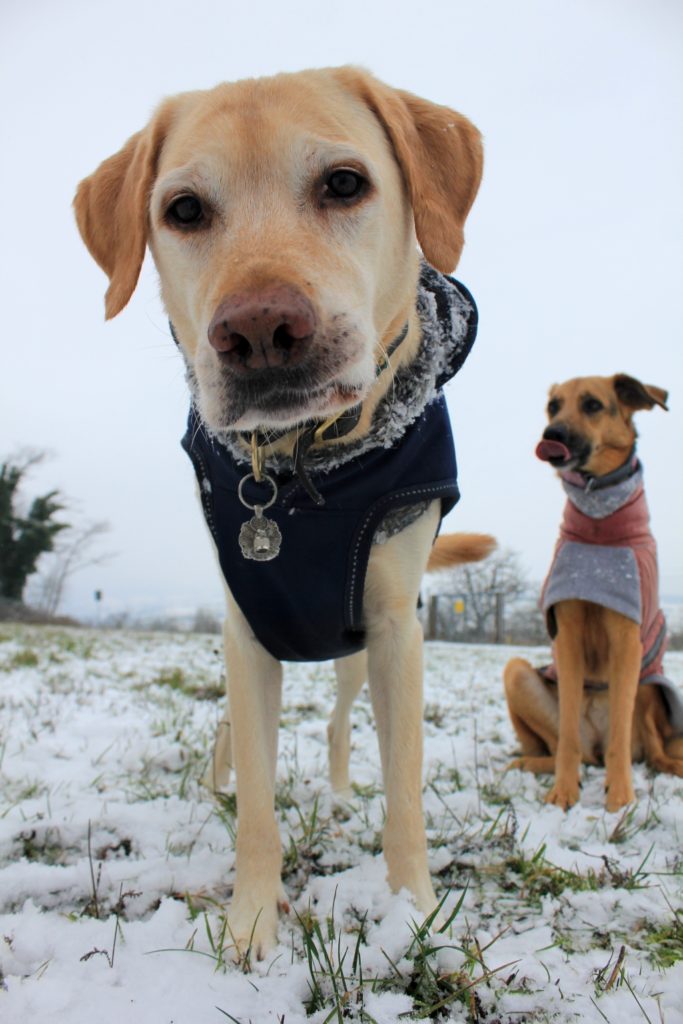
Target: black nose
x,y
556,432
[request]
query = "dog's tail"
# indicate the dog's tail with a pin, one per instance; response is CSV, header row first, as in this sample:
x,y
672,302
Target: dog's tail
x,y
456,548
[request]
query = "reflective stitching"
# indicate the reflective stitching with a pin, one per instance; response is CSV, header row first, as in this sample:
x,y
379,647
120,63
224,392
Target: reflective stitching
x,y
204,494
429,491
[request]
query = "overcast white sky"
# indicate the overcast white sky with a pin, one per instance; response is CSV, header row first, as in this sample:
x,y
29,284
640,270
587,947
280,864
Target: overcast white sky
x,y
574,247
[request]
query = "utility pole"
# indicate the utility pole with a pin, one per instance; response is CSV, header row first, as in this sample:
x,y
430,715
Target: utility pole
x,y
500,617
432,618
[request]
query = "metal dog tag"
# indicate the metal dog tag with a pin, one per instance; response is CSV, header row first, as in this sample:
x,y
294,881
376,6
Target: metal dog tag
x,y
260,538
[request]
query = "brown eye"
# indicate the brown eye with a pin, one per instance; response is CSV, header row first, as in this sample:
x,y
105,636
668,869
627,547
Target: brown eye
x,y
553,407
345,184
185,211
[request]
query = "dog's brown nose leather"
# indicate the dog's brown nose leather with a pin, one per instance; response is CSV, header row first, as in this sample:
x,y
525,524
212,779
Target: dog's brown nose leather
x,y
269,328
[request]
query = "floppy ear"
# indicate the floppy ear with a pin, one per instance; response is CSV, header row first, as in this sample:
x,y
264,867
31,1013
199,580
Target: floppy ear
x,y
111,210
635,395
441,155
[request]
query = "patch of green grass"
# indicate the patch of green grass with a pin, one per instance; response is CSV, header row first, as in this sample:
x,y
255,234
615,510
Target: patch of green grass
x,y
22,659
153,781
665,943
176,679
447,776
293,714
215,928
81,645
309,839
227,802
366,792
513,872
337,982
284,797
629,823
15,792
494,796
210,691
535,877
307,708
226,812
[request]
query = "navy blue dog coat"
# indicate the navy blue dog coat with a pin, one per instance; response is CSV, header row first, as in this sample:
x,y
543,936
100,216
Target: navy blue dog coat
x,y
307,603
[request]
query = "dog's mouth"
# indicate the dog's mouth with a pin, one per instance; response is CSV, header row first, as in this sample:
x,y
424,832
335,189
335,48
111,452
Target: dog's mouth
x,y
554,452
283,404
561,455
304,404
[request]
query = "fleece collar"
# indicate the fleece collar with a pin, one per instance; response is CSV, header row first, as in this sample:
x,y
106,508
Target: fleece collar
x,y
588,482
448,321
604,500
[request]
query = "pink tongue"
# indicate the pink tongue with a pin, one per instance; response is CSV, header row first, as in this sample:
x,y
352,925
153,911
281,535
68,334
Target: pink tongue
x,y
552,450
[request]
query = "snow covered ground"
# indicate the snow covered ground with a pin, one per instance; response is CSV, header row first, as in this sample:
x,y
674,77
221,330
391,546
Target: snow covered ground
x,y
116,866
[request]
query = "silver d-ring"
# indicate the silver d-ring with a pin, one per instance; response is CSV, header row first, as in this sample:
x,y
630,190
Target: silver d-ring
x,y
264,479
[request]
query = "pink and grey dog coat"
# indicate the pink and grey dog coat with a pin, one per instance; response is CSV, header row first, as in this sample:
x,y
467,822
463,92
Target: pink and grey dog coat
x,y
606,554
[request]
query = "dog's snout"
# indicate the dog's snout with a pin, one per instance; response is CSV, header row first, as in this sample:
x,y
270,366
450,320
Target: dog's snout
x,y
556,432
269,328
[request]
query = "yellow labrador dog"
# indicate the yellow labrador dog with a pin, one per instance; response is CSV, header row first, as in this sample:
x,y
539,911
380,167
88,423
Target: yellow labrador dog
x,y
283,215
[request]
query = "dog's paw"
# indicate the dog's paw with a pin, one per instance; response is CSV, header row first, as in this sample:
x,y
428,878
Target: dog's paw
x,y
541,765
418,884
668,765
563,795
619,794
342,797
252,929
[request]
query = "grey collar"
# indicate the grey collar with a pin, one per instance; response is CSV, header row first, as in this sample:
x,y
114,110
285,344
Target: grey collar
x,y
600,502
588,482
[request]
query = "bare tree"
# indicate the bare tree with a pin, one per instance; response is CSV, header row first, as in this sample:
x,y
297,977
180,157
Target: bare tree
x,y
525,622
71,554
484,585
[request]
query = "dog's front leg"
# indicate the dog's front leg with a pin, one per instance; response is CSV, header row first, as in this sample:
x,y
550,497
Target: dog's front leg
x,y
625,652
254,687
569,653
394,640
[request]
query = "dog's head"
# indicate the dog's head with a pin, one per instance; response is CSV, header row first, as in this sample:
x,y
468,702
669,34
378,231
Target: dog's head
x,y
282,215
591,422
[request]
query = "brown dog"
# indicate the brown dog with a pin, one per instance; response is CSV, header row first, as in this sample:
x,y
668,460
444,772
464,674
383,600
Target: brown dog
x,y
283,215
601,602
